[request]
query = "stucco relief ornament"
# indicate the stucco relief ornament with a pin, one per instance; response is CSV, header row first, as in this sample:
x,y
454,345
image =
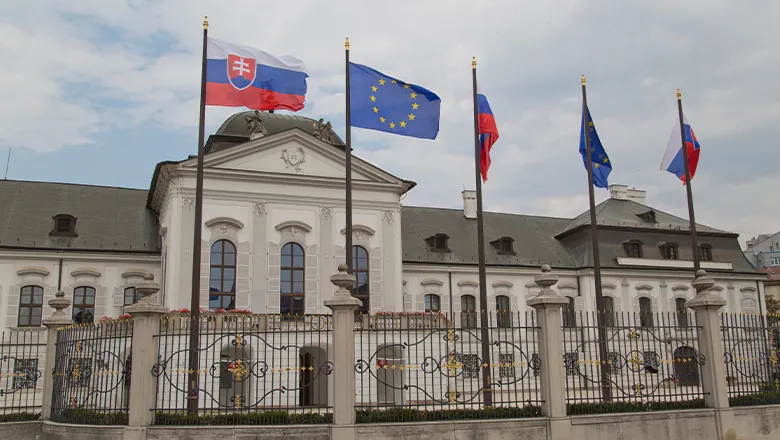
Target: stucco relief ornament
x,y
293,158
359,235
188,202
261,208
323,130
254,122
326,212
388,216
223,227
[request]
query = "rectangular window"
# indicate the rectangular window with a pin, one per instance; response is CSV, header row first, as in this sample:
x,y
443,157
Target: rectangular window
x,y
30,306
25,373
506,368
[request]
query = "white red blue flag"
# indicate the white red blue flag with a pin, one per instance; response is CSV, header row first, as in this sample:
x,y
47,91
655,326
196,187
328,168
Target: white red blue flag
x,y
238,75
673,160
488,133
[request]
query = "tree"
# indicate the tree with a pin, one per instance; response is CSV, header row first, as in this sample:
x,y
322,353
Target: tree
x,y
773,310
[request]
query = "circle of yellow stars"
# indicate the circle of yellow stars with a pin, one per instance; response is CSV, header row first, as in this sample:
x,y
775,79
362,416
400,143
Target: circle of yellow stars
x,y
382,119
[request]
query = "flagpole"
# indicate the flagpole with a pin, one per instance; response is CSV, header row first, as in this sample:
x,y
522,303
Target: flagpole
x,y
192,382
348,149
606,391
694,243
487,394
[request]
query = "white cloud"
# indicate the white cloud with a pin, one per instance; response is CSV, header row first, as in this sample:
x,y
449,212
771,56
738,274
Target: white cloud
x,y
75,69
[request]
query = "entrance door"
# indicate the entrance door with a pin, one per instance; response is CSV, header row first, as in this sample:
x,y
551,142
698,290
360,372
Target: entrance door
x,y
686,367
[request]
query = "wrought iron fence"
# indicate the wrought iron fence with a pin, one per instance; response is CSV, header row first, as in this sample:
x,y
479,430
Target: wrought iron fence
x,y
22,356
91,383
413,366
650,361
252,370
751,346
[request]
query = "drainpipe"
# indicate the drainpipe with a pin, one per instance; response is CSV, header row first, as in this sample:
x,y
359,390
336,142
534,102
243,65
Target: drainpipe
x,y
59,277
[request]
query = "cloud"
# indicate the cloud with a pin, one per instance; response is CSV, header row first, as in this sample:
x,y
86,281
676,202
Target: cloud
x,y
78,69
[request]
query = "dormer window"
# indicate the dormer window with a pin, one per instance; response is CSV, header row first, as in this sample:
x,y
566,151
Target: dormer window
x,y
504,245
438,242
633,248
705,252
64,225
648,216
670,251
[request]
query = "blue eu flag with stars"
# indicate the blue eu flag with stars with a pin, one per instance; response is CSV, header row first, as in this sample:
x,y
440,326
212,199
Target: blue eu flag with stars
x,y
381,102
598,157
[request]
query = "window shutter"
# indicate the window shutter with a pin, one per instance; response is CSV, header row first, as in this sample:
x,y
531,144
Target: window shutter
x,y
312,298
578,304
118,300
274,260
375,279
513,303
421,302
618,301
205,262
408,302
242,276
635,304
444,304
48,293
14,295
654,304
100,302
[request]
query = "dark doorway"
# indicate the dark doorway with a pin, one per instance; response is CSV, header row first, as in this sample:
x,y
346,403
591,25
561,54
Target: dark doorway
x,y
305,397
686,366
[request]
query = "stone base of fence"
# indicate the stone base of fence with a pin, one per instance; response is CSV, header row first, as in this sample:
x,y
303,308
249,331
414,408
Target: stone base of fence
x,y
754,423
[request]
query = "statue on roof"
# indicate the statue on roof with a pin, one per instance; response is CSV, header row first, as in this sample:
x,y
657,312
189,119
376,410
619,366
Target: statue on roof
x,y
323,130
254,123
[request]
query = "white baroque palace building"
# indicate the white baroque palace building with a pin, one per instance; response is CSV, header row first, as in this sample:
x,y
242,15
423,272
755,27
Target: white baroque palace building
x,y
273,234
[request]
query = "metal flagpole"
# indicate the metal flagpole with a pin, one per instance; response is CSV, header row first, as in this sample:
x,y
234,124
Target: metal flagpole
x,y
694,244
348,150
606,391
484,321
192,380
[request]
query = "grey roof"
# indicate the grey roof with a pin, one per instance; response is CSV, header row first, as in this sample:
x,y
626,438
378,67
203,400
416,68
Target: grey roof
x,y
235,126
107,218
533,243
614,212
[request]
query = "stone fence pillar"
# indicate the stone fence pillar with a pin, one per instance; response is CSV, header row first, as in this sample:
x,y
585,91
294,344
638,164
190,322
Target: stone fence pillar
x,y
548,306
344,306
146,315
53,323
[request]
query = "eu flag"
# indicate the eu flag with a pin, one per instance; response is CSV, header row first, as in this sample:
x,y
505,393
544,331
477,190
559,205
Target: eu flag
x,y
381,102
598,157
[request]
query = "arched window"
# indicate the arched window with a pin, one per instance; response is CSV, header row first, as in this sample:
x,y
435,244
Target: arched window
x,y
682,312
569,316
131,296
645,312
609,311
30,306
432,303
84,305
360,270
293,271
503,312
222,276
468,311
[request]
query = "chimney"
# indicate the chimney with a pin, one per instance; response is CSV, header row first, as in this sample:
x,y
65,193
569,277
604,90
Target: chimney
x,y
470,203
622,192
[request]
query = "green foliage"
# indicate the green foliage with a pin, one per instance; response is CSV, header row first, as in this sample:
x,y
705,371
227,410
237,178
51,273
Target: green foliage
x,y
574,409
768,397
19,417
398,415
773,310
90,417
249,418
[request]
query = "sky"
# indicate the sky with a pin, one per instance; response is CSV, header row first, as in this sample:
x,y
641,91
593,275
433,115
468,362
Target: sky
x,y
99,91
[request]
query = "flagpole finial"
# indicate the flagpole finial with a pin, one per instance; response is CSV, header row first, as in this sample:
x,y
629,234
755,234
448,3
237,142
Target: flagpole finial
x,y
473,62
205,22
583,80
679,95
346,44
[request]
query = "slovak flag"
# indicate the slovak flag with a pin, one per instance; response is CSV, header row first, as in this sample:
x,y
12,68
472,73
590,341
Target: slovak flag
x,y
488,133
673,160
239,75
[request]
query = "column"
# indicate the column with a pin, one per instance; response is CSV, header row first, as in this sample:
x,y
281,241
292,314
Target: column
x,y
344,306
146,315
53,323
